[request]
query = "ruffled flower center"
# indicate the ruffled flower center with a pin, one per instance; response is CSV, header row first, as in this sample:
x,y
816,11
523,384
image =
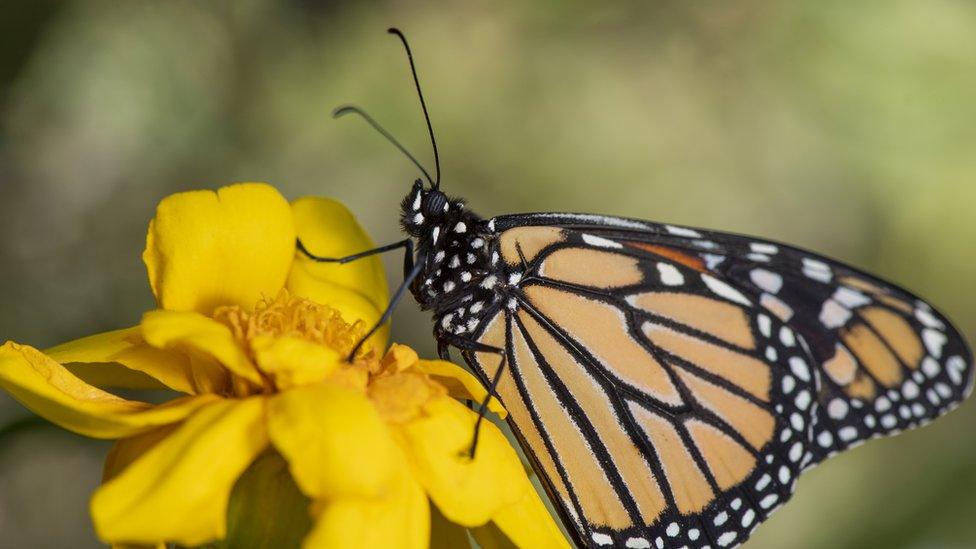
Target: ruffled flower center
x,y
296,342
289,316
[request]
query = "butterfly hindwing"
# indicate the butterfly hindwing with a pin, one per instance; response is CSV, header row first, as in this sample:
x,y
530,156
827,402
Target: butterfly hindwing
x,y
662,388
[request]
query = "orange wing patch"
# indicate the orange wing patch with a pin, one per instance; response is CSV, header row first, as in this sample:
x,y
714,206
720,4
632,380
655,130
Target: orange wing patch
x,y
531,240
594,268
755,424
842,367
751,374
721,319
729,462
507,391
896,331
627,457
688,484
602,329
677,256
573,451
873,355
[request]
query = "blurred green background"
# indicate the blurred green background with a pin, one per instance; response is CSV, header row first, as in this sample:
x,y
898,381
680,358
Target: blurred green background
x,y
845,127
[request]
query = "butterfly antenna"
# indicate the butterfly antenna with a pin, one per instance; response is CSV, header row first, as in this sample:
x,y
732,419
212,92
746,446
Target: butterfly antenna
x,y
347,109
423,104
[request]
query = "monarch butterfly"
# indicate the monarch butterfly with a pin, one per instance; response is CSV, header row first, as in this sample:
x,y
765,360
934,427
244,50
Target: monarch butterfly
x,y
669,383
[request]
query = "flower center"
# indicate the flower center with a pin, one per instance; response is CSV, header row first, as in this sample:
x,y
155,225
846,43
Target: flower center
x,y
290,316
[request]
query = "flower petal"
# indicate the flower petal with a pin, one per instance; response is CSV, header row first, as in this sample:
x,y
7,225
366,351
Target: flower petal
x,y
400,518
126,450
178,490
527,523
292,361
195,333
334,441
357,289
205,249
125,347
460,383
468,492
53,392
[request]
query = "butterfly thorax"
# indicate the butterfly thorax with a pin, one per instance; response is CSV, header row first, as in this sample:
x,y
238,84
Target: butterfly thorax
x,y
455,253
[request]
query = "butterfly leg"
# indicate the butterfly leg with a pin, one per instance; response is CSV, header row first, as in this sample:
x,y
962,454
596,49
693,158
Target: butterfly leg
x,y
394,301
468,345
405,243
410,272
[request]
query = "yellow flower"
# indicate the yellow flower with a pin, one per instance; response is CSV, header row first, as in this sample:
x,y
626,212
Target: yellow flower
x,y
253,337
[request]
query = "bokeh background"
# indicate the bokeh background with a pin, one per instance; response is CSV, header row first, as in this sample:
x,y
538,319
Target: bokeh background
x,y
845,127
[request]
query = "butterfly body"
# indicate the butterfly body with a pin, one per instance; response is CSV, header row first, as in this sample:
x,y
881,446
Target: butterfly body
x,y
456,256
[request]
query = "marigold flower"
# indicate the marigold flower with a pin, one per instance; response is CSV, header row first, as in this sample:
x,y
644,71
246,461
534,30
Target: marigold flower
x,y
253,337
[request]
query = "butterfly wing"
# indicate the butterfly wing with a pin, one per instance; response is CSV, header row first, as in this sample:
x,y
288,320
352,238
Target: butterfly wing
x,y
671,384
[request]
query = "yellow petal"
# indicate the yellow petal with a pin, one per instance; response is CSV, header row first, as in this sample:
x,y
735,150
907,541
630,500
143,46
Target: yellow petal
x,y
178,490
400,397
460,383
126,450
468,492
357,289
401,519
398,358
195,333
334,440
53,392
293,361
526,523
206,249
125,347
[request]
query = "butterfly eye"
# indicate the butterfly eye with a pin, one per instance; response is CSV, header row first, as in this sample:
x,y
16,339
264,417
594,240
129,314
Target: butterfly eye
x,y
435,204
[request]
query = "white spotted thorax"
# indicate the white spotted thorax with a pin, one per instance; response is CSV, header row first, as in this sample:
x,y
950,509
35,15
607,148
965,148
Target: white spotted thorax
x,y
457,281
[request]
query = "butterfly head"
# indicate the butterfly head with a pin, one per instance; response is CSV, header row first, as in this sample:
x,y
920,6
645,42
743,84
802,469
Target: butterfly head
x,y
423,209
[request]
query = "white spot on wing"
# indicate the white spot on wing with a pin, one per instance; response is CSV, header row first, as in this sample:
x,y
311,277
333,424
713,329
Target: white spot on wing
x,y
816,269
602,539
600,242
724,290
850,298
800,368
712,260
927,318
934,340
682,231
763,248
725,539
833,314
670,276
766,280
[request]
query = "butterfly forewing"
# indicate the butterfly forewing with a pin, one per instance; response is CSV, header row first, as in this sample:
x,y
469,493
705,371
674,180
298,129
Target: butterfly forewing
x,y
671,384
